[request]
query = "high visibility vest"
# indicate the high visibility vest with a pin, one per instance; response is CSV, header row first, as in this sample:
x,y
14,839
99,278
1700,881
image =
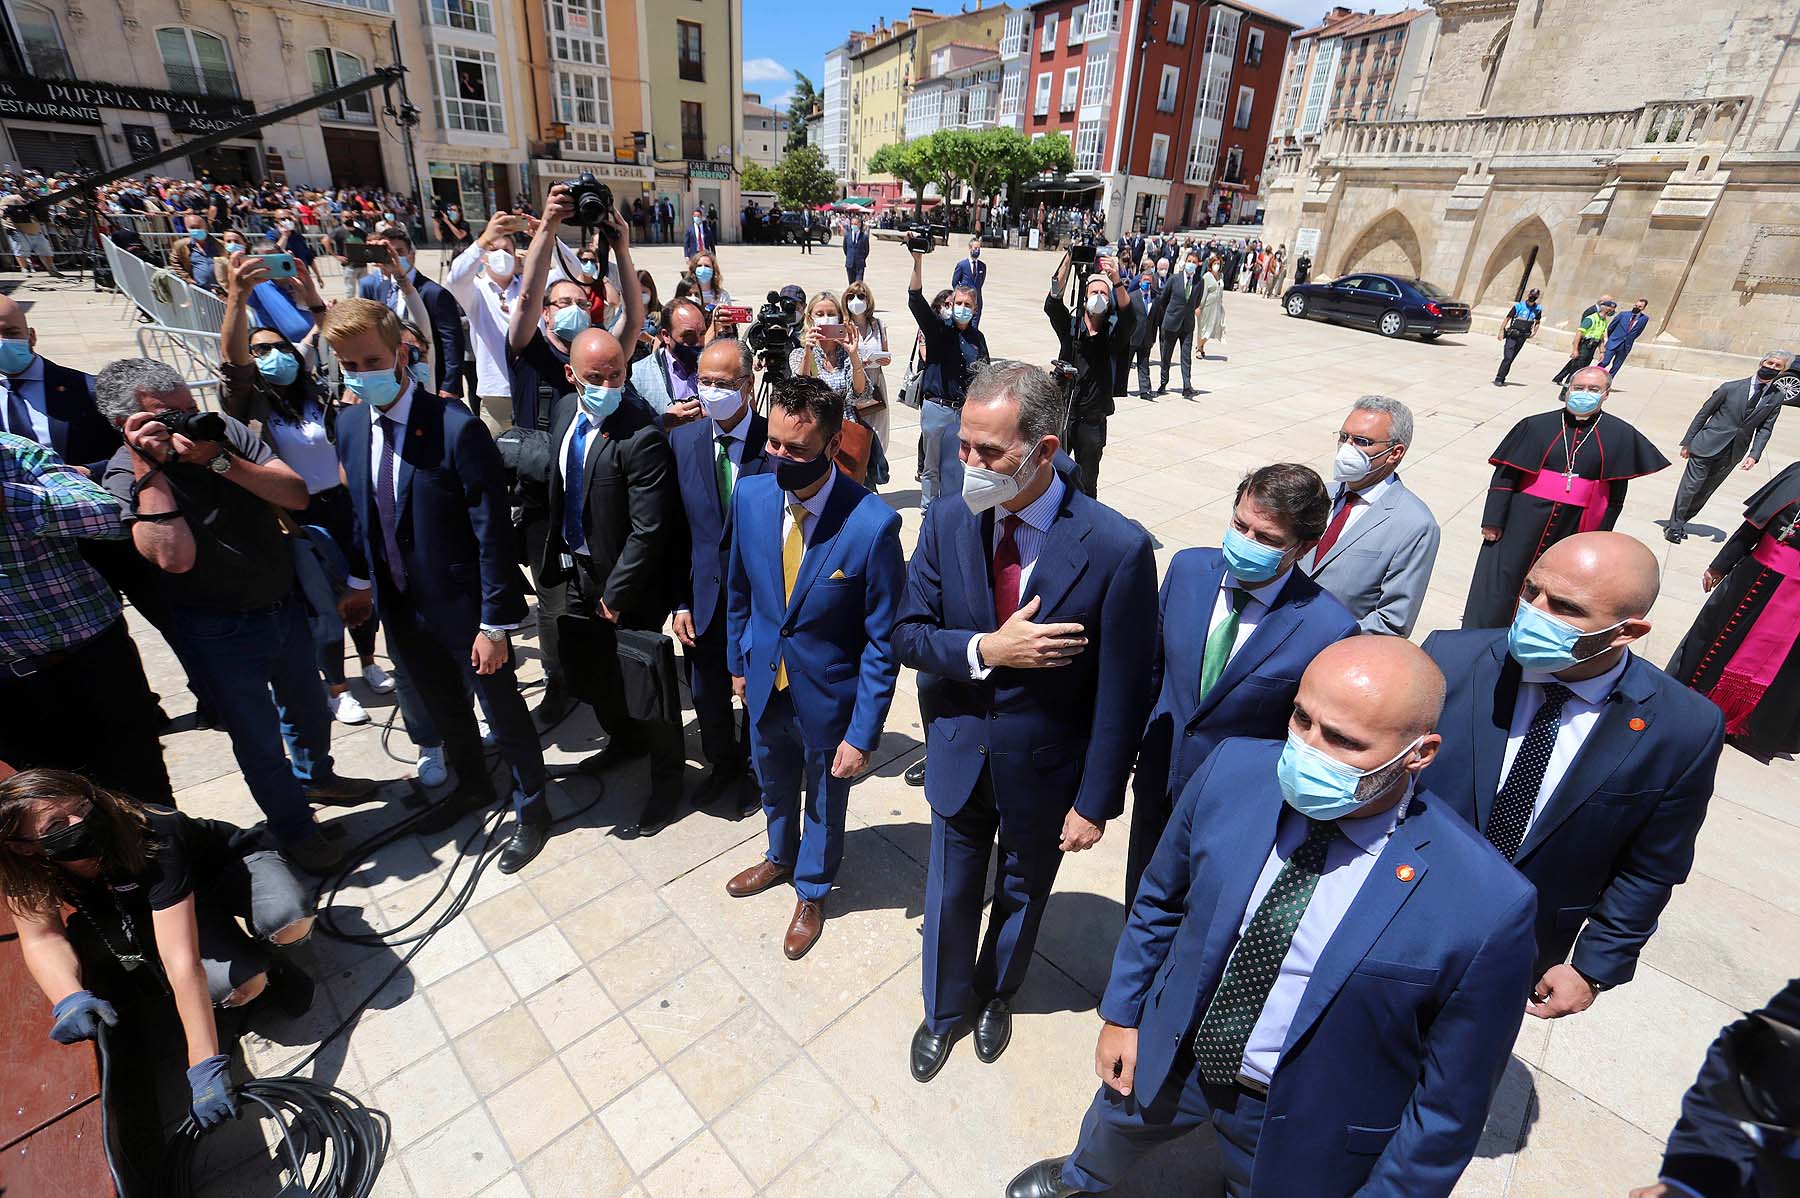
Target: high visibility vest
x,y
1594,327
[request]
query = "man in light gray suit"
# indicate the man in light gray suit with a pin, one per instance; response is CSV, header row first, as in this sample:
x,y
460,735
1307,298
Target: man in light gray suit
x,y
1378,550
1735,420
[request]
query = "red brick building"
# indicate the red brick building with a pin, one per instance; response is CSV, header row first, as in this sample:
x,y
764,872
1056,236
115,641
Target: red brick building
x,y
1168,102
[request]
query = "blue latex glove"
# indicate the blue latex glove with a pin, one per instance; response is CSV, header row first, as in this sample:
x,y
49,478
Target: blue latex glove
x,y
214,1099
79,1016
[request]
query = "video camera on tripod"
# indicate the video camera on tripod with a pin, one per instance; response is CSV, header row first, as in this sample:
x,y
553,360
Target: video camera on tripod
x,y
771,337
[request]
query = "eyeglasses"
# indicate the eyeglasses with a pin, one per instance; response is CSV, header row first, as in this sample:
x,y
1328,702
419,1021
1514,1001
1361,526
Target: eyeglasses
x,y
57,822
263,349
733,382
1361,442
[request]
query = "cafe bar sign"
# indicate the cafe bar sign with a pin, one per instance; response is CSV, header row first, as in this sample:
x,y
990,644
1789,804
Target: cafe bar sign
x,y
27,99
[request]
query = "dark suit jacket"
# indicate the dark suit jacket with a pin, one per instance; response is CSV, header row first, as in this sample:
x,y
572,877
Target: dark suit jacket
x,y
969,274
631,512
856,248
1617,836
1143,333
1056,738
708,520
692,245
1728,422
1173,310
1407,1022
1255,694
453,524
79,434
446,314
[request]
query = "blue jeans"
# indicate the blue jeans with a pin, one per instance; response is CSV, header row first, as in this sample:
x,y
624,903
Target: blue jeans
x,y
941,471
258,673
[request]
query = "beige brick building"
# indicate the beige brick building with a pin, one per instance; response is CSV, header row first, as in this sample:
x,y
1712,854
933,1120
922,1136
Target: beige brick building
x,y
1652,153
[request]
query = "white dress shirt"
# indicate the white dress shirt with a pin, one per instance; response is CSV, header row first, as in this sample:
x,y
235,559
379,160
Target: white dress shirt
x,y
489,309
29,383
1338,499
1034,520
1580,712
1255,610
1348,860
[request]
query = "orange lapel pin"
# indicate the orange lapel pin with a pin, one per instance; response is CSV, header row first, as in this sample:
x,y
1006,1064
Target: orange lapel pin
x,y
1636,724
1404,872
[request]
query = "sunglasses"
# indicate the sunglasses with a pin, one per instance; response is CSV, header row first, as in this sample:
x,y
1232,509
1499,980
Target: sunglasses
x,y
1361,442
265,348
57,822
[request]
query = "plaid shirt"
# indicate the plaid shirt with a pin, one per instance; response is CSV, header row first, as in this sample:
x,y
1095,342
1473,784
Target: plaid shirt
x,y
50,599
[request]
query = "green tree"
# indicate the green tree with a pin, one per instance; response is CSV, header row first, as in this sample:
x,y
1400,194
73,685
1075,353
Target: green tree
x,y
1002,158
756,177
1053,154
805,98
910,162
802,180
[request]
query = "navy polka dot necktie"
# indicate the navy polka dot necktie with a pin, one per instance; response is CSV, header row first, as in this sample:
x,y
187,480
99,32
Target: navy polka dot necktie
x,y
1518,795
1255,964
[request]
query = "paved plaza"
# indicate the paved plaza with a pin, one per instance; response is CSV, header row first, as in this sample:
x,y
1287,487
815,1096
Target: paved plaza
x,y
609,1022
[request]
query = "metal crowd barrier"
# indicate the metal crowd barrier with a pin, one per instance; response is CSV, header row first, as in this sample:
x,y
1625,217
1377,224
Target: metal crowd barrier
x,y
183,321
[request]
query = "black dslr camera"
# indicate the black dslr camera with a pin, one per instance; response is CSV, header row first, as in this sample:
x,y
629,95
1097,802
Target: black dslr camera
x,y
919,239
195,426
771,335
1084,252
593,202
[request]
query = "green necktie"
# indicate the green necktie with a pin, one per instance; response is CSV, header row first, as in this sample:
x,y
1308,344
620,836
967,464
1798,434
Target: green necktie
x,y
1220,640
1256,962
724,467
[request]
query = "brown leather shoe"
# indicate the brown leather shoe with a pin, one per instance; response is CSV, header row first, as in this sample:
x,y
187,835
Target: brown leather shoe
x,y
803,932
758,878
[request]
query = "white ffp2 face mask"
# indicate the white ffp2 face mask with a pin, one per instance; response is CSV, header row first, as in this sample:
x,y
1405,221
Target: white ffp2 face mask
x,y
984,488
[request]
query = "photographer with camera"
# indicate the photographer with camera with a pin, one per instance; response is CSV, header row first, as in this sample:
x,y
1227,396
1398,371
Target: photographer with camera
x,y
952,348
484,278
200,492
1098,344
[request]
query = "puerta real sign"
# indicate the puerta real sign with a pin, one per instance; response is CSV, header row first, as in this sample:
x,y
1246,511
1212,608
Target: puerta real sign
x,y
65,101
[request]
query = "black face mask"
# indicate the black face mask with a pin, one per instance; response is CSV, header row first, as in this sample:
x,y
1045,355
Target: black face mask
x,y
687,355
792,476
1765,373
75,842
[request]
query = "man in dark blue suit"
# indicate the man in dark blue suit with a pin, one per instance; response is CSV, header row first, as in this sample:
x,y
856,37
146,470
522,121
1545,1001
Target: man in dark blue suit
x,y
814,582
447,332
1236,629
1028,615
429,495
711,456
1586,766
971,272
699,236
1324,962
856,250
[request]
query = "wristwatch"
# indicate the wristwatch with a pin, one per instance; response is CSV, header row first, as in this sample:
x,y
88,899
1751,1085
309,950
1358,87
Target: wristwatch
x,y
222,463
497,635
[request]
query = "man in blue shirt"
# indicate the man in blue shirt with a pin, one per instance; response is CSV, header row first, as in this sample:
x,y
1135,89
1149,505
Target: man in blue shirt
x,y
1520,325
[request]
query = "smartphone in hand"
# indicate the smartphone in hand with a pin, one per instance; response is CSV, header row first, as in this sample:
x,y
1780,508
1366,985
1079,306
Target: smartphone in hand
x,y
732,314
281,266
832,332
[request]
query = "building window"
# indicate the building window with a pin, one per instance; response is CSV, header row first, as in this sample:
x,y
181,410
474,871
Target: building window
x,y
1078,23
45,55
1040,105
334,68
693,129
1234,166
1169,88
583,98
475,16
1246,106
1010,88
469,90
1102,18
1159,155
1090,144
1325,58
196,62
688,54
1178,24
1253,48
589,143
1098,80
1018,28
1070,88
578,32
1048,41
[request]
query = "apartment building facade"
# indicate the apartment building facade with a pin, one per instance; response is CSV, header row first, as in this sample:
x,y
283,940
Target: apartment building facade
x,y
960,90
1353,66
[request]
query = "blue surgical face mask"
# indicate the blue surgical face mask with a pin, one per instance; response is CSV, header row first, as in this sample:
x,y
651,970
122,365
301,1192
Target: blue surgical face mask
x,y
405,265
1321,787
197,234
703,273
963,313
1538,640
590,268
600,401
15,355
421,372
571,322
1248,560
1583,403
278,366
378,387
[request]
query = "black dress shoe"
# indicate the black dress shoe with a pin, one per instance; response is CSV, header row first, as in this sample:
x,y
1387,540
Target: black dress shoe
x,y
1674,536
527,842
458,803
929,1052
616,753
993,1030
1042,1180
643,827
915,773
722,780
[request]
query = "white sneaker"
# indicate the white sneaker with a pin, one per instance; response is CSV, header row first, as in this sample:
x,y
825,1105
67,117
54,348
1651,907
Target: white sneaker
x,y
345,709
377,679
488,739
430,769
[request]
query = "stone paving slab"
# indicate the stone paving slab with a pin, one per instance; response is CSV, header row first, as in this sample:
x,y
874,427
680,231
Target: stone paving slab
x,y
609,1024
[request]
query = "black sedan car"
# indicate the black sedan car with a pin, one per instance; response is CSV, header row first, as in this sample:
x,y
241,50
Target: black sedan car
x,y
793,229
1392,305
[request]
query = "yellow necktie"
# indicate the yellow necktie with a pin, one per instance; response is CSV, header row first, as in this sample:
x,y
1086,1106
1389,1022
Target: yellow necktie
x,y
792,550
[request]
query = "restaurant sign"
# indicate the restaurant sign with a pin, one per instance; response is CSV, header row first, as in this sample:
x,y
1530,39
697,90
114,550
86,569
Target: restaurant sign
x,y
68,102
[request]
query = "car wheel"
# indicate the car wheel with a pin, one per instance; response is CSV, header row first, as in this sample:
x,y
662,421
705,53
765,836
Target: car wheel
x,y
1392,324
1296,305
1429,336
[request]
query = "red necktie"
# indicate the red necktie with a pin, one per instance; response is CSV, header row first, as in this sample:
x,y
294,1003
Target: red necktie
x,y
1006,572
1335,529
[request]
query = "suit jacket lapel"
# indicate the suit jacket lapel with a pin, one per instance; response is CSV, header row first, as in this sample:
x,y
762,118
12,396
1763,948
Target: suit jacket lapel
x,y
1374,907
415,433
1498,676
1374,518
844,494
1061,561
1611,740
973,539
1273,629
1241,857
